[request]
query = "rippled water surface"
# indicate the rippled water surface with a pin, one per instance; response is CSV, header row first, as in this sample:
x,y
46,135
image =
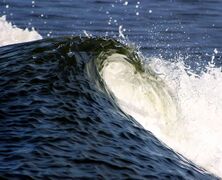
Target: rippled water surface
x,y
58,119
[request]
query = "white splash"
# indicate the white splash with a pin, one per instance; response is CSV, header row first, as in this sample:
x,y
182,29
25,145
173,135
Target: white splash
x,y
184,111
10,34
121,30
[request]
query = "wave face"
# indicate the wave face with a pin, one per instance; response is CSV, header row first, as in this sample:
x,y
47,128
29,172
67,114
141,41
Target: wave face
x,y
60,117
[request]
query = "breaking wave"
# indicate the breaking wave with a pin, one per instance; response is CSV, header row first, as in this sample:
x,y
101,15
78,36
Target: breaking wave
x,y
87,81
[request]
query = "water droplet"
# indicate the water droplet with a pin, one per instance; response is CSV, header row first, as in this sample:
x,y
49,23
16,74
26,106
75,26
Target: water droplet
x,y
125,3
33,3
215,51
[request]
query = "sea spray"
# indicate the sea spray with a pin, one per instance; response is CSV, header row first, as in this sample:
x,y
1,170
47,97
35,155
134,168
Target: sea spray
x,y
10,34
182,109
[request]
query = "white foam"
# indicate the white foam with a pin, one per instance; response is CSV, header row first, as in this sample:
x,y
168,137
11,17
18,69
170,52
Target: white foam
x,y
10,34
184,111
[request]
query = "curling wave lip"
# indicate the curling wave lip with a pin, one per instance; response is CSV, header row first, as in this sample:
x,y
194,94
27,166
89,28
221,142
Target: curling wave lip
x,y
177,108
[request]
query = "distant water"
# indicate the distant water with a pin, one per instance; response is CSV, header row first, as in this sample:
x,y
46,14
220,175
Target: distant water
x,y
109,107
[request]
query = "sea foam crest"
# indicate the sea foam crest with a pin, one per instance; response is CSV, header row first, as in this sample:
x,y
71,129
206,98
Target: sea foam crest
x,y
10,34
189,122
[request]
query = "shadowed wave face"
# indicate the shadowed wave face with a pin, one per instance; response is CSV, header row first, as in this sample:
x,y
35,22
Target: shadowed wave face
x,y
59,120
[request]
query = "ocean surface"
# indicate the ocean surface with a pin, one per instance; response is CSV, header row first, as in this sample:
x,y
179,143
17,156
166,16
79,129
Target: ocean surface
x,y
111,89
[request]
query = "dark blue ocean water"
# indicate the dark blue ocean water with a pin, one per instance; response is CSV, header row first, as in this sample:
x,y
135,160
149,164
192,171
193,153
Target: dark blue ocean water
x,y
56,122
149,23
159,27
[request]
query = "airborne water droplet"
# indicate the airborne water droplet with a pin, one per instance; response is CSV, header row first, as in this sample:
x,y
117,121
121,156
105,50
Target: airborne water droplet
x,y
125,3
215,51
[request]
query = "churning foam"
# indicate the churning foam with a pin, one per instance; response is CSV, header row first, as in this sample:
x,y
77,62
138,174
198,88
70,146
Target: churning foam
x,y
10,34
184,111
